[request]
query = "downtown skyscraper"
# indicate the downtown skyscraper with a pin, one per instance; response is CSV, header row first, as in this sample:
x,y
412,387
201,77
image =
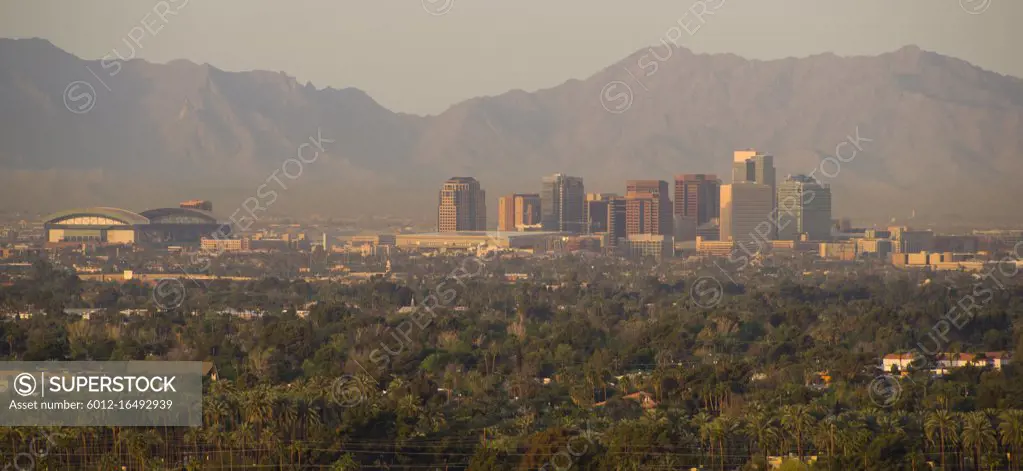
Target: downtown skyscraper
x,y
648,207
746,209
752,166
804,207
749,168
697,203
462,206
562,204
518,212
697,197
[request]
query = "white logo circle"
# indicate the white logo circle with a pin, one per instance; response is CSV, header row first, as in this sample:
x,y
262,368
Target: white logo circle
x,y
975,7
79,91
438,7
168,293
885,390
707,292
25,384
617,103
347,392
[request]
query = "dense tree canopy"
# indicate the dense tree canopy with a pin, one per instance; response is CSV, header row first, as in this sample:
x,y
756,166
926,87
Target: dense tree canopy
x,y
597,363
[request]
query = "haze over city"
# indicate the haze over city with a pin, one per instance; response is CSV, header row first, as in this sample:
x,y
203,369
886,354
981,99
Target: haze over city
x,y
426,59
507,236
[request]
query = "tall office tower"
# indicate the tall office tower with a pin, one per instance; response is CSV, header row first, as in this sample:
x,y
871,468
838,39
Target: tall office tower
x,y
697,196
561,204
527,211
804,207
462,206
697,202
648,207
752,166
746,213
755,167
596,211
506,213
616,218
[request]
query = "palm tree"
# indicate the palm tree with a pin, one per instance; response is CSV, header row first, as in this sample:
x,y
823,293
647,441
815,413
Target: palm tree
x,y
798,420
723,428
978,434
763,428
827,434
941,429
702,423
853,436
1010,429
657,382
242,437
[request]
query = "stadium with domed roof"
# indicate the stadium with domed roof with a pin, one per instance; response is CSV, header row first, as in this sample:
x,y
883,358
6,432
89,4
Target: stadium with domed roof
x,y
182,225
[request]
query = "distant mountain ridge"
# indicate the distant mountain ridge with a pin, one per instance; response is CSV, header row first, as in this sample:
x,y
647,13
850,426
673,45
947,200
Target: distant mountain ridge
x,y
945,136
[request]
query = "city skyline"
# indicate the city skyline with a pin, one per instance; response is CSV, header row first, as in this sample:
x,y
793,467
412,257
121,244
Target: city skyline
x,y
498,236
745,211
864,192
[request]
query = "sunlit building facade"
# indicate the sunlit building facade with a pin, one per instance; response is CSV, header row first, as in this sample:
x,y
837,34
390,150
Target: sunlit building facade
x,y
462,206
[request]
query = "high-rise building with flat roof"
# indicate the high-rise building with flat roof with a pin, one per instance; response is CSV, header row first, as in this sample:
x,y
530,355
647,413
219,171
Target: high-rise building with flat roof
x,y
746,212
697,202
697,197
752,166
648,208
804,207
527,211
518,212
506,213
462,206
596,211
616,218
756,167
562,201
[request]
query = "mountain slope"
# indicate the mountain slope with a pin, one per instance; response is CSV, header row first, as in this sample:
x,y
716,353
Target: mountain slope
x,y
944,135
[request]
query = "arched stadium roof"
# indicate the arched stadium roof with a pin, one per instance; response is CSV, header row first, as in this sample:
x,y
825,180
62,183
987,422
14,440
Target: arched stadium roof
x,y
179,216
124,216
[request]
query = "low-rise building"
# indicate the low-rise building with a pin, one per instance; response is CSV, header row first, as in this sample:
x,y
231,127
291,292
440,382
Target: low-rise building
x,y
648,245
226,245
472,240
898,361
945,362
994,360
721,248
939,261
906,240
879,247
838,250
374,239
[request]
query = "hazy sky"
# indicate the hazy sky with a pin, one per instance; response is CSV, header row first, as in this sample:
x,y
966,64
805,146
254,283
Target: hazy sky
x,y
418,61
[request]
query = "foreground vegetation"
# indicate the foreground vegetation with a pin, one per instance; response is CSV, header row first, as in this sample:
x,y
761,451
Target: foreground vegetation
x,y
516,376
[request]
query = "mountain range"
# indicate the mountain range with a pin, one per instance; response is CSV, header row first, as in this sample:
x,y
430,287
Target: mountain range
x,y
939,137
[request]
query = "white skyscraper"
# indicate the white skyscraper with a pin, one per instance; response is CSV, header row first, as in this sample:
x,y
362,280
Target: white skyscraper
x,y
746,212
